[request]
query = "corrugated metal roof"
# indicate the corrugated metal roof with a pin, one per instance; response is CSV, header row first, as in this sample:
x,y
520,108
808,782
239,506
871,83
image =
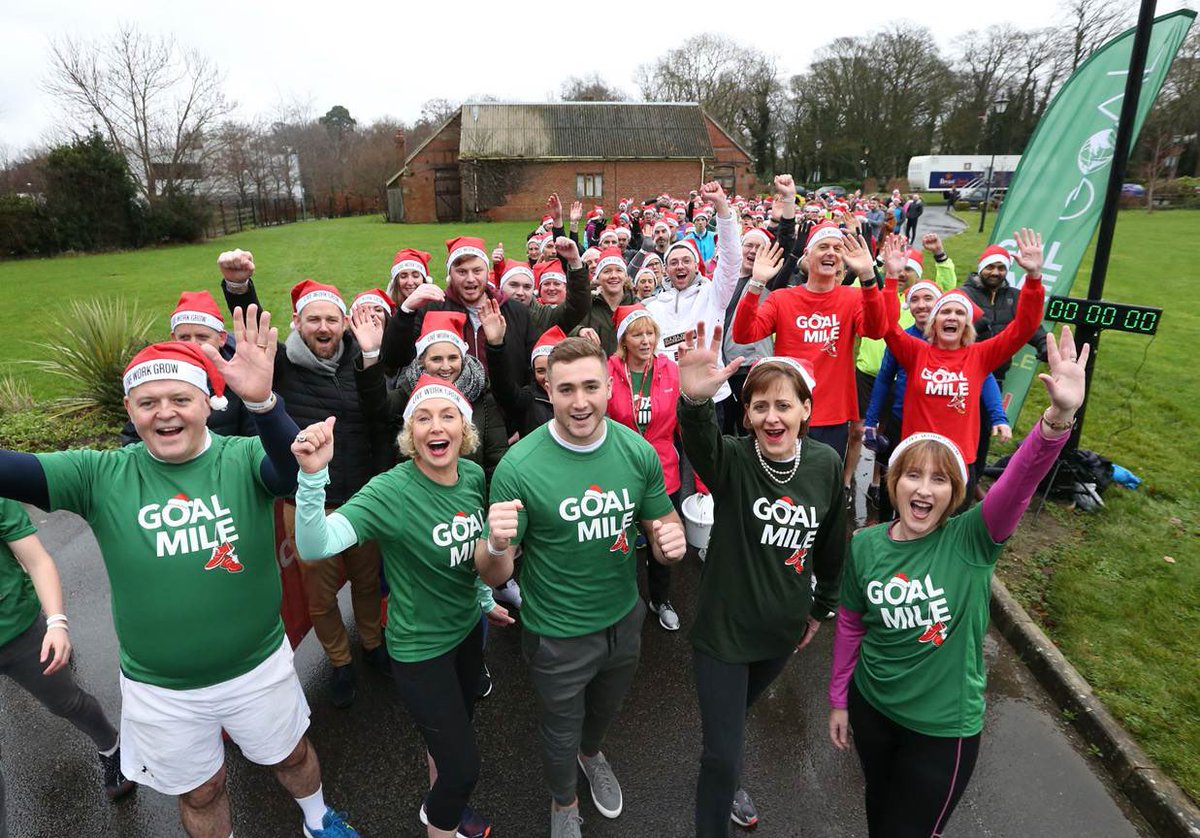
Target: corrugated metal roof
x,y
580,130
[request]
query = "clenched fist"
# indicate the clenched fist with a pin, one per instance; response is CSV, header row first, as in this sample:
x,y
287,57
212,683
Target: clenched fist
x,y
236,265
502,523
672,543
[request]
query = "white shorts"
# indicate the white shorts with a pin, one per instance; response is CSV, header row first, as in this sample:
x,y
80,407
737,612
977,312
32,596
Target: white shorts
x,y
171,739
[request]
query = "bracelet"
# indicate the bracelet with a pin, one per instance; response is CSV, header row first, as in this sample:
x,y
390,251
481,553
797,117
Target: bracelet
x,y
62,626
941,257
261,407
371,355
689,400
1057,426
56,618
756,286
492,551
239,287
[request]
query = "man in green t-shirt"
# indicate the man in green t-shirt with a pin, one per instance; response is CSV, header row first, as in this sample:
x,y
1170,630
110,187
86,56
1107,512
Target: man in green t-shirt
x,y
585,482
185,527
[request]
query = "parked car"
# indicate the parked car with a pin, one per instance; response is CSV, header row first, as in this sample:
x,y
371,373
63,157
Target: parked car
x,y
1133,190
831,191
976,192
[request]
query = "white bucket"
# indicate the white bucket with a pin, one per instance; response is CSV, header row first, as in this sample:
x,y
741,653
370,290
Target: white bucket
x,y
697,520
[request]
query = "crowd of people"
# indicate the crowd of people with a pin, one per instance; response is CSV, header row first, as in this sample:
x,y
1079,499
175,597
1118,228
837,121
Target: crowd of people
x,y
517,442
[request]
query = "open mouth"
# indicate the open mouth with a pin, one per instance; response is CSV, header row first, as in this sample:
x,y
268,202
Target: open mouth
x,y
438,448
581,417
773,434
920,510
829,263
169,432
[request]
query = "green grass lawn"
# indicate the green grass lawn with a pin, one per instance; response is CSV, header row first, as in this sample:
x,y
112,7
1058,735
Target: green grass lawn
x,y
1126,617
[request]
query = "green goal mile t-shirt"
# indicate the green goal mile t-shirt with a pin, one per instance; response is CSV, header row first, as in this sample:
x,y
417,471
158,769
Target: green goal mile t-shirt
x,y
190,553
925,607
578,526
19,603
427,534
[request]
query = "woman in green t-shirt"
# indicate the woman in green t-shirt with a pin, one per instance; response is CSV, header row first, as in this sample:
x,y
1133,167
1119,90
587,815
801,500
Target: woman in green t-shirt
x,y
433,551
774,559
908,668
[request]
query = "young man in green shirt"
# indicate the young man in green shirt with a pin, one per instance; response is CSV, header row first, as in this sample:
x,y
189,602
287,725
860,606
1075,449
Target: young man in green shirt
x,y
186,532
585,482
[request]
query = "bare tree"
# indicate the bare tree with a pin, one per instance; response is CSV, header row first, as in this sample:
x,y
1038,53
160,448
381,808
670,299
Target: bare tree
x,y
591,88
154,100
1092,22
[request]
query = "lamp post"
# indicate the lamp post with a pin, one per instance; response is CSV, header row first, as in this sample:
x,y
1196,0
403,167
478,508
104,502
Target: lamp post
x,y
998,107
817,174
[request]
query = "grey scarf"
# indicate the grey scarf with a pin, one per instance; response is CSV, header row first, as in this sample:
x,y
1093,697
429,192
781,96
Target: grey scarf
x,y
300,355
470,381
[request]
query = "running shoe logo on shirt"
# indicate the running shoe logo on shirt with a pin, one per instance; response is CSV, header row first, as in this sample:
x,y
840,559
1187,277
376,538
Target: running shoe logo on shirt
x,y
935,634
600,515
225,557
796,560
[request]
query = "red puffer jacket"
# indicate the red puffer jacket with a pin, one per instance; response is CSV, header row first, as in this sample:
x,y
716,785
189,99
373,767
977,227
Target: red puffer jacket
x,y
664,393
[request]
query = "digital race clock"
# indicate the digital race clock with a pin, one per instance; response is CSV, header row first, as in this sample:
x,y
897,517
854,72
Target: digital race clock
x,y
1102,314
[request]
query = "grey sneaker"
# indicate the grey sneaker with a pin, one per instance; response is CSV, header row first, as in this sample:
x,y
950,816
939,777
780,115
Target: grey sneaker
x,y
564,823
606,791
667,617
743,812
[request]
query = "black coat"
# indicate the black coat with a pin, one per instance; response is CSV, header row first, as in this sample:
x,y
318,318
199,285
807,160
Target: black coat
x,y
526,405
999,309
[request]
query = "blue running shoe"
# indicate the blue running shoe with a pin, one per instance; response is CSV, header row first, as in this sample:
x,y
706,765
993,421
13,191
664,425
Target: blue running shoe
x,y
333,825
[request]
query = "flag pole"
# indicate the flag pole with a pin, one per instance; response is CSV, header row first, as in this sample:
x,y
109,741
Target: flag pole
x,y
1116,177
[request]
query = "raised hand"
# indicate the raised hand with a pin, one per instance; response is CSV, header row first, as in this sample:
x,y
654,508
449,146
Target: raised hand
x,y
251,370
1002,432
712,193
894,256
554,205
933,243
1029,251
236,265
424,293
576,211
498,253
672,543
591,334
568,250
1066,381
857,256
367,326
313,446
786,187
700,373
493,322
503,522
767,263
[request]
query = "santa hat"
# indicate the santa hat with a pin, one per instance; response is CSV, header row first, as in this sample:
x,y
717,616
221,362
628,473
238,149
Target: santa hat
x,y
758,233
430,387
662,223
311,291
814,209
915,259
625,316
513,268
690,246
463,246
439,326
610,230
994,254
547,220
704,212
910,441
546,343
551,270
923,285
199,308
591,251
177,361
411,260
597,212
822,231
373,297
671,218
957,295
802,366
645,270
610,256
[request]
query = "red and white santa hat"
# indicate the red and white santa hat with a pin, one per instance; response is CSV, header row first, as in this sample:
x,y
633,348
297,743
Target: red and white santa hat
x,y
462,246
546,343
597,212
311,291
662,223
822,231
547,221
922,285
177,361
431,387
704,212
609,232
758,233
442,326
994,254
800,365
910,441
551,271
690,246
625,316
915,259
411,260
373,297
647,271
611,256
513,268
199,308
957,295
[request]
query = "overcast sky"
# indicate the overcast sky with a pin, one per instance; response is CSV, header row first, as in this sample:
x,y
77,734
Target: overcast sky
x,y
385,59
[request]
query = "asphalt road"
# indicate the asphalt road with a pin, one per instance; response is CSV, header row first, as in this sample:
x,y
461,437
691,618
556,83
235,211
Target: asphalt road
x,y
1033,779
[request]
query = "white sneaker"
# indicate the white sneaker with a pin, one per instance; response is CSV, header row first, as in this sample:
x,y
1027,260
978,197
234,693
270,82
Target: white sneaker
x,y
667,618
508,594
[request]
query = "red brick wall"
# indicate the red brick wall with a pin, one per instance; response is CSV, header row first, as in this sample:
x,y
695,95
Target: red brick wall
x,y
417,183
728,154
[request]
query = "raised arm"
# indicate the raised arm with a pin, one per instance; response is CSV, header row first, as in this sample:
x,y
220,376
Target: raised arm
x,y
318,536
700,377
754,317
729,249
237,283
1030,304
23,479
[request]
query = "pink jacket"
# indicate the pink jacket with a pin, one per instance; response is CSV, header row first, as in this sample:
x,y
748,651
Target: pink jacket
x,y
664,393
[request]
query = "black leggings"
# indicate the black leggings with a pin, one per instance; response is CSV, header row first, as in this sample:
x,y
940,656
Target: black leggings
x,y
726,692
440,696
914,781
835,436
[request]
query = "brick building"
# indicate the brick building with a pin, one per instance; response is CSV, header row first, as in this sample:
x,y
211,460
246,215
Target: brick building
x,y
499,161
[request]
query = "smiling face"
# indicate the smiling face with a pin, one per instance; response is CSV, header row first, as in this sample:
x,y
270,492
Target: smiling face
x,y
539,370
681,267
950,326
170,418
443,360
321,326
613,280
926,486
405,283
579,393
919,305
552,291
468,276
437,432
534,249
519,287
776,412
825,260
750,248
639,342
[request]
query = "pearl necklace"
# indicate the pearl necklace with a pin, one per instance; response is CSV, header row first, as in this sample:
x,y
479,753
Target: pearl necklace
x,y
777,474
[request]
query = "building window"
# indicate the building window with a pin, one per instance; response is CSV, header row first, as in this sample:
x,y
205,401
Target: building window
x,y
724,175
589,186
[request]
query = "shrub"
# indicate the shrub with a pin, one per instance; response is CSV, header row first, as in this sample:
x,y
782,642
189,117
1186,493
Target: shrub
x,y
179,217
91,195
37,429
97,340
26,229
